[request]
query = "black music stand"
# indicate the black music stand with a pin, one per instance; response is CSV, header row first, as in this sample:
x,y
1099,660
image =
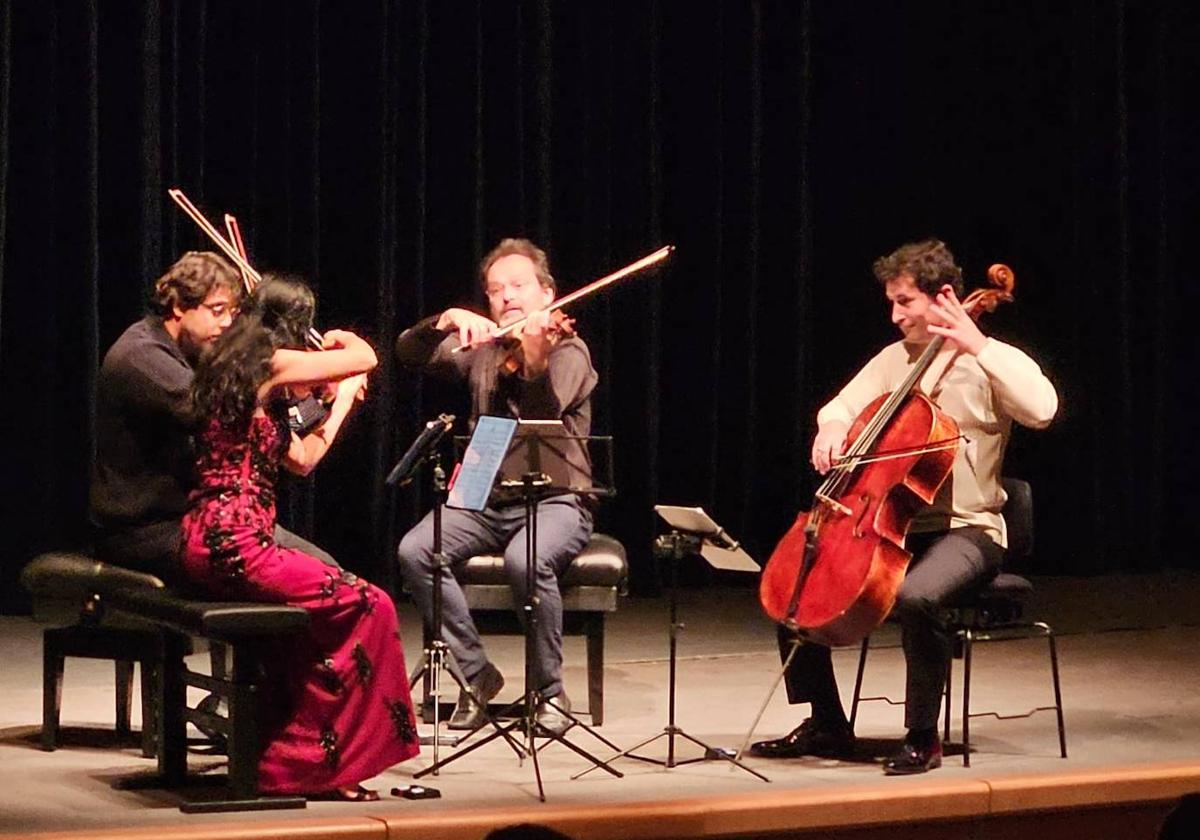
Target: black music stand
x,y
692,532
435,656
546,469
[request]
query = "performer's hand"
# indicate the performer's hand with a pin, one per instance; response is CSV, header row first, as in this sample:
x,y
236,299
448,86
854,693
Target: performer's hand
x,y
535,343
352,388
337,339
829,444
946,317
472,327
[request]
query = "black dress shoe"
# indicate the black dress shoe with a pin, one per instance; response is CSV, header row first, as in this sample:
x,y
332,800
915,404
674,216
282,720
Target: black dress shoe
x,y
914,758
471,711
809,738
551,718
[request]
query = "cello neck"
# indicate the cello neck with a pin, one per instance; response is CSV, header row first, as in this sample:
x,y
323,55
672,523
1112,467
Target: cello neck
x,y
879,422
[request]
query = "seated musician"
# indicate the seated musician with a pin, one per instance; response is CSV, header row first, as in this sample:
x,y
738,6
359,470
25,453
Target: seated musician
x,y
336,708
958,542
555,383
143,470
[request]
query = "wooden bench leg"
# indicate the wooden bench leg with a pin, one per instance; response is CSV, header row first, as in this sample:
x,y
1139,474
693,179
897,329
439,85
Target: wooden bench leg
x,y
150,711
595,666
124,678
217,654
172,723
53,662
244,747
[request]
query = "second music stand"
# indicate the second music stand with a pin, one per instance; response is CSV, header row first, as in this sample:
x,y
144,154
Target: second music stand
x,y
692,532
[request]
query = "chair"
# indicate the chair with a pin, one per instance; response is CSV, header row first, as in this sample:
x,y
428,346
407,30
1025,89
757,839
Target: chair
x,y
590,587
993,613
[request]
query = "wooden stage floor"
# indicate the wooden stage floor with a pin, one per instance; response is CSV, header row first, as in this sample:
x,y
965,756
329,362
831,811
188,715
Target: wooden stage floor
x,y
1131,689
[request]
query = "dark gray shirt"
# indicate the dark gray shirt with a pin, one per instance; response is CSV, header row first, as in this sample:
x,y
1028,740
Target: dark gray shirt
x,y
564,392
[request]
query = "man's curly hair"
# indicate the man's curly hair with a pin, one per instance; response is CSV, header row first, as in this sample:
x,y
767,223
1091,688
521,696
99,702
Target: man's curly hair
x,y
191,279
929,263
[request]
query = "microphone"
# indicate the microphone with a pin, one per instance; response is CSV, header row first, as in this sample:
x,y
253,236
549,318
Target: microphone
x,y
433,432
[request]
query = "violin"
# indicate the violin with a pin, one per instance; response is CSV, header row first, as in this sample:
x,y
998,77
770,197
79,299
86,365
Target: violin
x,y
304,414
834,575
512,362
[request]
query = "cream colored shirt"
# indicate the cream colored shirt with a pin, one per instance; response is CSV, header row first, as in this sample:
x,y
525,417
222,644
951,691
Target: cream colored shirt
x,y
984,394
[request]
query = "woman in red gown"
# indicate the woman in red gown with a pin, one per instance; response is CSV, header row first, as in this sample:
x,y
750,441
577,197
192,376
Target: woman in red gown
x,y
343,712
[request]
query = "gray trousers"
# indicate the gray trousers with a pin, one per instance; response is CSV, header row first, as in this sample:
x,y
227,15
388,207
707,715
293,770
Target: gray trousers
x,y
563,528
945,566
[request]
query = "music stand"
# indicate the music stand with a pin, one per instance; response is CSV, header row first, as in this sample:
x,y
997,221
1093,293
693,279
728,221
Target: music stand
x,y
546,468
692,532
435,656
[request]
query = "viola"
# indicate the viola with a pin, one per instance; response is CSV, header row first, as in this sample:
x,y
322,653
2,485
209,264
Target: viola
x,y
834,575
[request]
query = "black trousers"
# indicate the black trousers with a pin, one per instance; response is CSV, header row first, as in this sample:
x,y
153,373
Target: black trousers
x,y
154,548
945,566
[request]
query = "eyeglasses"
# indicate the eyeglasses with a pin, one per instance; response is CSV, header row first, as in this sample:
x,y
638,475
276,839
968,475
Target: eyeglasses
x,y
220,310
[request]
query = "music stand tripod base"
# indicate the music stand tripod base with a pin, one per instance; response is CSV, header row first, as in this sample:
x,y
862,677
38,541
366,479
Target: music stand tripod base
x,y
674,546
534,485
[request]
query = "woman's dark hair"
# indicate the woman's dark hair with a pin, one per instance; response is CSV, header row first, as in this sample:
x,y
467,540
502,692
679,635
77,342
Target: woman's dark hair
x,y
278,314
929,262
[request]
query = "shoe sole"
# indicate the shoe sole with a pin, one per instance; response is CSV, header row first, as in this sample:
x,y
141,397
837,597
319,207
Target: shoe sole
x,y
914,771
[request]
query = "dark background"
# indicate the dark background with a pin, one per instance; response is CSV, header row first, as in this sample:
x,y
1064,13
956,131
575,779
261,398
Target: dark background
x,y
380,148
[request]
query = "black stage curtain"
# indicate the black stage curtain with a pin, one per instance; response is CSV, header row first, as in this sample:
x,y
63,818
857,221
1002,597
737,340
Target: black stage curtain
x,y
381,148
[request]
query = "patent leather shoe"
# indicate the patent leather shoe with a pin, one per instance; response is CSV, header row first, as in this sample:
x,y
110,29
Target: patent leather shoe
x,y
551,717
809,738
471,710
915,758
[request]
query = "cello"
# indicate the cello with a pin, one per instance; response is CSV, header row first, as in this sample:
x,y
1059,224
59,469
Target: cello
x,y
834,575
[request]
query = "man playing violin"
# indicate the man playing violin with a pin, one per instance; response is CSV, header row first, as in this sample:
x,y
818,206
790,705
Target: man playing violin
x,y
143,470
554,382
958,542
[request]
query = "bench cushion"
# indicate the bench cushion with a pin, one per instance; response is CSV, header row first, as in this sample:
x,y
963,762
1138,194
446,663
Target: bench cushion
x,y
211,619
66,574
601,563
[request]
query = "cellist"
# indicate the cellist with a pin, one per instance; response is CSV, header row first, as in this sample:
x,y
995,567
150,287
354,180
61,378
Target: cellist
x,y
958,542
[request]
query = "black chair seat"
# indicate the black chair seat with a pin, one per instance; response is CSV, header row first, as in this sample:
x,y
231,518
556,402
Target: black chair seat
x,y
1008,587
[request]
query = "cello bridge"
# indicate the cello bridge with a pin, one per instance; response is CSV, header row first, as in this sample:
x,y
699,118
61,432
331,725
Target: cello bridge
x,y
835,504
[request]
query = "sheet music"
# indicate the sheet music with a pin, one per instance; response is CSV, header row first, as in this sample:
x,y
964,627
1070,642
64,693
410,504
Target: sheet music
x,y
480,463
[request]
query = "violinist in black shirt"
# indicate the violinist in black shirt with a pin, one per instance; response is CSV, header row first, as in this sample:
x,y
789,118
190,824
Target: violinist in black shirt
x,y
144,457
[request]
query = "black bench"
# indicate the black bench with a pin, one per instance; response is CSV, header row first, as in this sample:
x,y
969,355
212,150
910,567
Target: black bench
x,y
251,632
72,589
129,616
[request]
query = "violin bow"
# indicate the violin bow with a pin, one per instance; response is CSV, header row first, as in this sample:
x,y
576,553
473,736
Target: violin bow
x,y
634,267
235,236
249,276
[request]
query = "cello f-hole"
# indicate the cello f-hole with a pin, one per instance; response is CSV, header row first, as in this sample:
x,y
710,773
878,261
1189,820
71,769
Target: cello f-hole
x,y
865,498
